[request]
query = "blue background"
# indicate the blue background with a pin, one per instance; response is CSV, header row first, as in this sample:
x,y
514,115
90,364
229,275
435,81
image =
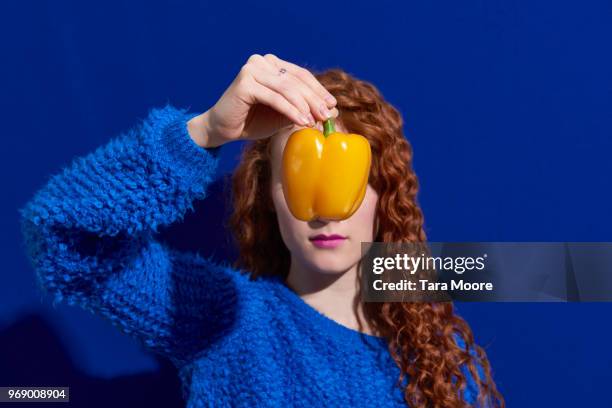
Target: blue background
x,y
508,105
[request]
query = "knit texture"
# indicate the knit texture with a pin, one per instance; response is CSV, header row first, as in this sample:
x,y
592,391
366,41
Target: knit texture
x,y
90,233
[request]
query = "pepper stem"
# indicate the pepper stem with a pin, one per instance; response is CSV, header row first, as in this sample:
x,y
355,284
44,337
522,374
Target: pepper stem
x,y
328,127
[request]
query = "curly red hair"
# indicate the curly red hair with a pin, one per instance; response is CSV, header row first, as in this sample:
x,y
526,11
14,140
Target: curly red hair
x,y
422,337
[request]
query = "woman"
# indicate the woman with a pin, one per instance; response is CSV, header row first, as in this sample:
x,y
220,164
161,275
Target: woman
x,y
283,325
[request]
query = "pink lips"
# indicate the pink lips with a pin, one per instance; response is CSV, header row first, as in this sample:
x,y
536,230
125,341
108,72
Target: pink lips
x,y
327,241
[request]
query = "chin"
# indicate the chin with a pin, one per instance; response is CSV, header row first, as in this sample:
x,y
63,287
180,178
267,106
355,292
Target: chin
x,y
330,264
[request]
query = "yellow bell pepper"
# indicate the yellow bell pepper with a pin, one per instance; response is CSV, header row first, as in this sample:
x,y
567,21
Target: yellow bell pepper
x,y
325,174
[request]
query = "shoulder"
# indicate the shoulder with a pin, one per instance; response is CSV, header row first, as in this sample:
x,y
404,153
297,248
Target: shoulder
x,y
219,281
211,272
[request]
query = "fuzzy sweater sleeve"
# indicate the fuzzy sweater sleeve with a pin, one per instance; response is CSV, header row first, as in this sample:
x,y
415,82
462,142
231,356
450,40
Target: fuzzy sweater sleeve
x,y
90,235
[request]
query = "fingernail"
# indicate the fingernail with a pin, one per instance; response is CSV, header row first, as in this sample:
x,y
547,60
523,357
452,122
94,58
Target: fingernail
x,y
330,100
311,120
304,120
324,111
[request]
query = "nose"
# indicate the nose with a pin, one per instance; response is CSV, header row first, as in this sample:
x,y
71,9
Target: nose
x,y
324,220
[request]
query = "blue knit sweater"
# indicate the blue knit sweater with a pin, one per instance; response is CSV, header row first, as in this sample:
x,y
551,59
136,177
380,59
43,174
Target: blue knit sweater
x,y
91,237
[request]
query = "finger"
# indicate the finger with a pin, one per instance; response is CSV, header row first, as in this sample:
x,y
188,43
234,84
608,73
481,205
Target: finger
x,y
296,91
278,102
257,67
335,114
306,76
285,85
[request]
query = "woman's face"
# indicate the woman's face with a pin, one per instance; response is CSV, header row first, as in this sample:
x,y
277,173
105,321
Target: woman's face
x,y
296,233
